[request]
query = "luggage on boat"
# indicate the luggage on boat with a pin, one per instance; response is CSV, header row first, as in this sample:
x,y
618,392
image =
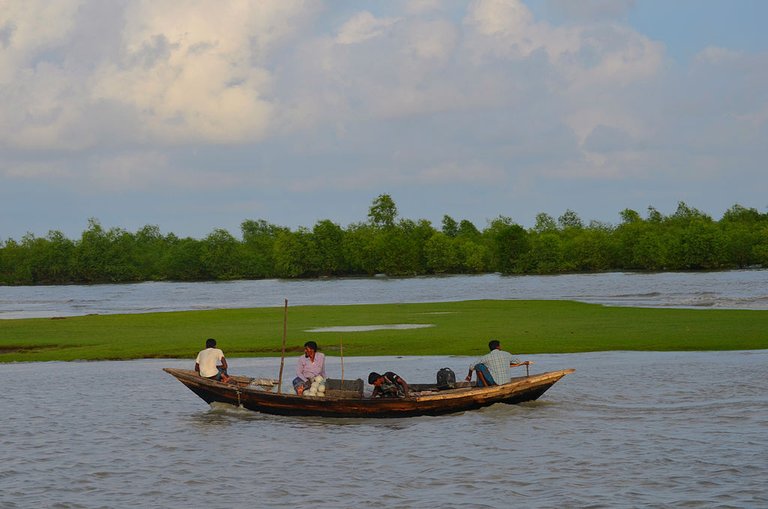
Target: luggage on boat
x,y
446,378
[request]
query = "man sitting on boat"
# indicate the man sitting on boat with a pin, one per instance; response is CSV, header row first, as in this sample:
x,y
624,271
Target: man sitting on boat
x,y
388,385
310,365
493,367
207,362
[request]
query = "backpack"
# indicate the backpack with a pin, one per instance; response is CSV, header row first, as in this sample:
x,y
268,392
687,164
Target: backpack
x,y
446,378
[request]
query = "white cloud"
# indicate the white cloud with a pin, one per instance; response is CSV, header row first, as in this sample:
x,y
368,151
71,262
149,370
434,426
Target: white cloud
x,y
181,73
309,97
209,72
34,170
505,18
362,27
32,26
198,73
423,6
715,55
433,41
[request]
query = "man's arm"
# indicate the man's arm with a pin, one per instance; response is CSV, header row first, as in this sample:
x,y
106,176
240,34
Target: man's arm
x,y
224,363
524,363
469,374
404,385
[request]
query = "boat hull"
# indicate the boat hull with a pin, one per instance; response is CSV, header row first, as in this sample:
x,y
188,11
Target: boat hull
x,y
239,393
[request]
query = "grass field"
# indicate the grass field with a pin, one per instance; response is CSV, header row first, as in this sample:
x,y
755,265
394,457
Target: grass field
x,y
456,328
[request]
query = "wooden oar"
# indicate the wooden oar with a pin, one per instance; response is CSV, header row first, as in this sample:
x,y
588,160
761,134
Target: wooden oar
x,y
282,354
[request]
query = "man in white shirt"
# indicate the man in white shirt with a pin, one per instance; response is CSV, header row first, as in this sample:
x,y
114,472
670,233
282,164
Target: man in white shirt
x,y
210,363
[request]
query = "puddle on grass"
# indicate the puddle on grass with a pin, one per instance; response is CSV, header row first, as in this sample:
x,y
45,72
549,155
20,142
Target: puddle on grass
x,y
366,328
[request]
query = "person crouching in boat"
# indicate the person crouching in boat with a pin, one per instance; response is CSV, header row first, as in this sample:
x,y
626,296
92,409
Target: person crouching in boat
x,y
210,363
388,385
493,367
310,365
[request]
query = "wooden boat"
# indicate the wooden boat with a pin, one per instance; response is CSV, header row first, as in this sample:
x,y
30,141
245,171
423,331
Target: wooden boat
x,y
346,398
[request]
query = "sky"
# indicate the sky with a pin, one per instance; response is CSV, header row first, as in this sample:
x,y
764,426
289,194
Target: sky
x,y
196,115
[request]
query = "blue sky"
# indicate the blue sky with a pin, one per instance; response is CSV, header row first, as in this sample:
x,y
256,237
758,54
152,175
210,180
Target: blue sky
x,y
152,112
689,26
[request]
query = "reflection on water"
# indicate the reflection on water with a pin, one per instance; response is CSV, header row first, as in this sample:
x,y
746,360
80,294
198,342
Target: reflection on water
x,y
627,429
738,289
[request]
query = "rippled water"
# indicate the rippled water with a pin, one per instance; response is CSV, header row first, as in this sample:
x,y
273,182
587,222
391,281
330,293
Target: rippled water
x,y
742,289
627,429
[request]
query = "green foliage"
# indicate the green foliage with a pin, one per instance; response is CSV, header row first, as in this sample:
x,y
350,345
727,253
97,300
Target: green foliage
x,y
383,212
258,248
294,254
450,226
328,238
685,240
442,254
219,255
509,245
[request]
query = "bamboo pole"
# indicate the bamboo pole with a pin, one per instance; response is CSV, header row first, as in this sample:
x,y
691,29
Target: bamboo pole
x,y
282,353
341,352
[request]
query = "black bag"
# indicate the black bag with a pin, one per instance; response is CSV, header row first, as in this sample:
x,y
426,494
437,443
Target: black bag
x,y
446,379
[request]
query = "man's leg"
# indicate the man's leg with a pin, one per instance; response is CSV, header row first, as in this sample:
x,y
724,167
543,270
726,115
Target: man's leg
x,y
484,378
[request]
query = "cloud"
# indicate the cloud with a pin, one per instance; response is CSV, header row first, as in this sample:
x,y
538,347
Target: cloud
x,y
423,6
170,74
311,98
715,55
31,27
178,74
33,170
504,18
591,10
362,27
217,74
200,74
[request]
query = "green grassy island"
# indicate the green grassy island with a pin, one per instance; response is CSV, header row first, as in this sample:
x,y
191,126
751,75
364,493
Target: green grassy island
x,y
442,328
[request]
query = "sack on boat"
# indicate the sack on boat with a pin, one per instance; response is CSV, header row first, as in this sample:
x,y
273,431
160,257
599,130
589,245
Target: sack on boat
x,y
446,378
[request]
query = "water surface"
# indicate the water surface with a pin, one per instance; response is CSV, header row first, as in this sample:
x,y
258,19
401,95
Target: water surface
x,y
740,289
627,429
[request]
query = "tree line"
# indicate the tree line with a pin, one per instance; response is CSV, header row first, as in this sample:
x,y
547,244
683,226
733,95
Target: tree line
x,y
387,244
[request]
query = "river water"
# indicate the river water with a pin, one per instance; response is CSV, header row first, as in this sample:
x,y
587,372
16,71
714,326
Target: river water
x,y
627,429
741,289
